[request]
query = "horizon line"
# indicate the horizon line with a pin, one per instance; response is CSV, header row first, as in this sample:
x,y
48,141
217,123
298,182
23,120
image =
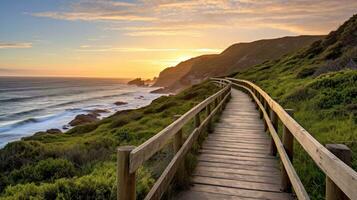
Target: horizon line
x,y
63,76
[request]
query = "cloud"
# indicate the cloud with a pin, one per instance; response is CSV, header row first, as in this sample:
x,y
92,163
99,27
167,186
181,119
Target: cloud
x,y
164,33
15,45
88,48
182,17
173,29
85,16
5,71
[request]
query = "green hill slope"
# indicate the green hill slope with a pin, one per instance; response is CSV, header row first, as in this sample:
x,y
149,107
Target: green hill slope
x,y
235,58
320,84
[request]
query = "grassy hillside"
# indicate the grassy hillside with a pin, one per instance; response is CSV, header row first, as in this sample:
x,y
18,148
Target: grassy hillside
x,y
234,58
320,84
81,163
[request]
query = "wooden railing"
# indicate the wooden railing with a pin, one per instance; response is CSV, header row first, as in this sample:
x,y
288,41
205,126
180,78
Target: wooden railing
x,y
130,158
341,179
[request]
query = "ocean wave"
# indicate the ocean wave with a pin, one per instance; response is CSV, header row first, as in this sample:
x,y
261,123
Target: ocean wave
x,y
39,110
19,99
19,123
2,90
65,93
23,113
88,99
27,121
34,88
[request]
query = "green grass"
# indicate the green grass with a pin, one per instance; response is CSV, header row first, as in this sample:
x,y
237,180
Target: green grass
x,y
81,163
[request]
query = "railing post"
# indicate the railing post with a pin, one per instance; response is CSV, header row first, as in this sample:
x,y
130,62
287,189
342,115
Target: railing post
x,y
260,111
177,143
341,151
209,123
230,91
216,102
274,121
256,95
125,179
219,99
266,110
288,142
197,121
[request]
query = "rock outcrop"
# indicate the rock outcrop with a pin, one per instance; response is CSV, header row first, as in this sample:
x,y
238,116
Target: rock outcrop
x,y
84,119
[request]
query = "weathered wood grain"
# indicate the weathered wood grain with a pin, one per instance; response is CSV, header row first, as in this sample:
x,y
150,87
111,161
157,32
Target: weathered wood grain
x,y
236,184
242,193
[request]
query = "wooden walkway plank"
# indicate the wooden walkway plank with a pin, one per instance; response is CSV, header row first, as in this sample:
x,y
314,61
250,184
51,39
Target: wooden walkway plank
x,y
236,193
234,161
268,170
236,184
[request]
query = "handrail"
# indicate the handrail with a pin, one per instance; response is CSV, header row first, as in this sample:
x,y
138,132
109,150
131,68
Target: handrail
x,y
340,173
294,178
130,159
165,178
143,152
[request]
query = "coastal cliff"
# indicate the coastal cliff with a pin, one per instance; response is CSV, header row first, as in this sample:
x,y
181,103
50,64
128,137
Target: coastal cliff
x,y
235,58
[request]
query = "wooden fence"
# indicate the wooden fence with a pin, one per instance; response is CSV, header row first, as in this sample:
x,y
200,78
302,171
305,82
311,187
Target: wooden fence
x,y
131,158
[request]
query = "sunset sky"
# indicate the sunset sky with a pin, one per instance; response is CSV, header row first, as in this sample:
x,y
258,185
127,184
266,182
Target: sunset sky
x,y
126,39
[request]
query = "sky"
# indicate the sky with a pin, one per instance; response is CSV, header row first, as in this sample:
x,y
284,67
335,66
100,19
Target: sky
x,y
139,38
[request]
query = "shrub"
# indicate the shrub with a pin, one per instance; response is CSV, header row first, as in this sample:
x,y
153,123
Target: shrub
x,y
120,121
16,154
98,185
84,128
346,61
93,150
305,72
48,169
300,94
161,107
314,50
124,135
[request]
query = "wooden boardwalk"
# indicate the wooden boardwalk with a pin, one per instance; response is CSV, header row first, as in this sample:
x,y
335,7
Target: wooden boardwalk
x,y
234,162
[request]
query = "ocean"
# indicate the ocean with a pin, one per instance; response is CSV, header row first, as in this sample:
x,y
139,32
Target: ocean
x,y
29,105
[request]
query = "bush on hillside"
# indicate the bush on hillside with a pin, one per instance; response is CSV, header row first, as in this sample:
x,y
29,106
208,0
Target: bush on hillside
x,y
301,94
19,153
333,51
100,184
306,72
44,170
347,61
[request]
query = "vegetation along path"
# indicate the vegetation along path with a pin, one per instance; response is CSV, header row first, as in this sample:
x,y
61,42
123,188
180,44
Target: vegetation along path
x,y
235,161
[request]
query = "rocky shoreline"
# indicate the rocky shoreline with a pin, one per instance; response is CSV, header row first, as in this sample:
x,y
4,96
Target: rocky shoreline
x,y
91,116
81,119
